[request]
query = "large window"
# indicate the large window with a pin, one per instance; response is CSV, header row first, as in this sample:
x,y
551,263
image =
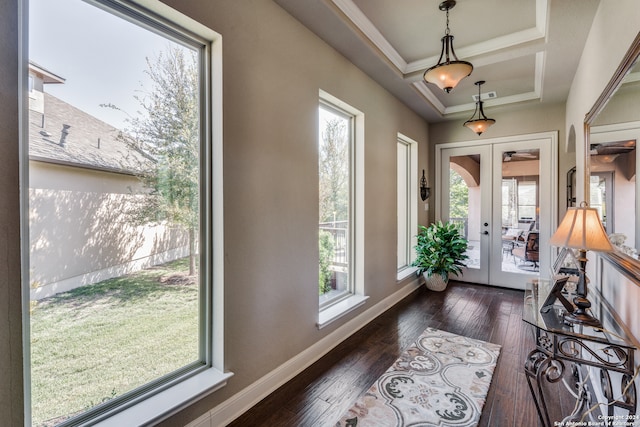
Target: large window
x,y
407,214
335,234
341,208
121,211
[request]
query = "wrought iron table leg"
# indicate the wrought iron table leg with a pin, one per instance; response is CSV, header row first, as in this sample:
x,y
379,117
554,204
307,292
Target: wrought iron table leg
x,y
539,365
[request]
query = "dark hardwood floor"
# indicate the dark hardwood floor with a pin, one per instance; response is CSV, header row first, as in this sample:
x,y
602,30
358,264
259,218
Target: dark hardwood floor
x,y
321,393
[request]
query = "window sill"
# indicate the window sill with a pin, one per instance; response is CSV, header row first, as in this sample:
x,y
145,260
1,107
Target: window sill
x,y
338,310
406,272
166,403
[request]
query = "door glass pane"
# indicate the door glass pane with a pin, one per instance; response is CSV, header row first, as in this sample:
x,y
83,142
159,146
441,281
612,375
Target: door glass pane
x,y
464,202
520,197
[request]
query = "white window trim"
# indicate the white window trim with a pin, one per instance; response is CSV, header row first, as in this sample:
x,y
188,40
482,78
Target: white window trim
x,y
333,312
161,406
412,213
156,405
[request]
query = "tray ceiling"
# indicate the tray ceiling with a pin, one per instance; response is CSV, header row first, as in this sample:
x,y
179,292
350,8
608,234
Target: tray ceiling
x,y
526,50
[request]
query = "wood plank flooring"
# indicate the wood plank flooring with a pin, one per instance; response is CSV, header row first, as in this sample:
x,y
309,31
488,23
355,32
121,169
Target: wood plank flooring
x,y
320,394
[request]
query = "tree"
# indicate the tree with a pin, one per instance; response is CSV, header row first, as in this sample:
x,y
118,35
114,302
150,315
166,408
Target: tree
x,y
334,191
334,171
325,246
167,129
459,196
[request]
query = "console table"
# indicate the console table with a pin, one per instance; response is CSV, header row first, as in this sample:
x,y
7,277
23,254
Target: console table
x,y
605,351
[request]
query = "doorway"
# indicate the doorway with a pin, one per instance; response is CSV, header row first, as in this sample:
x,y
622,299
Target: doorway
x,y
503,195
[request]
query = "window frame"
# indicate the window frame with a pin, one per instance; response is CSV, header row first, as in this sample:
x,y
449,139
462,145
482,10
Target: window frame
x,y
515,184
350,119
410,204
349,301
528,181
166,395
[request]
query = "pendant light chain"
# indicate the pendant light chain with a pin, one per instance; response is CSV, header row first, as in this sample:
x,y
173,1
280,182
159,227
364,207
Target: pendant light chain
x,y
449,70
446,33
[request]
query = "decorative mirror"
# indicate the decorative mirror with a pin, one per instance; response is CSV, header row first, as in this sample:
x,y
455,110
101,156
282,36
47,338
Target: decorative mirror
x,y
612,134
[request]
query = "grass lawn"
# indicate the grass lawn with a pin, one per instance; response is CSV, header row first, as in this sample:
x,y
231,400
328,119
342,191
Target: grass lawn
x,y
100,341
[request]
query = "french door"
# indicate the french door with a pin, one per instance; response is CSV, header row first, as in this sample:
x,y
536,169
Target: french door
x,y
503,195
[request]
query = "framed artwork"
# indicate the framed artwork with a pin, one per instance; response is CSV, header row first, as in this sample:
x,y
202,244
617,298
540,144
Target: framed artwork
x,y
556,293
565,263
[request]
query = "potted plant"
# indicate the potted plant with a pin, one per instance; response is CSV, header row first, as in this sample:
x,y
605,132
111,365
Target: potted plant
x,y
440,250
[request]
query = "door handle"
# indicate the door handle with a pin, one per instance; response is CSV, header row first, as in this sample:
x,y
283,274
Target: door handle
x,y
485,232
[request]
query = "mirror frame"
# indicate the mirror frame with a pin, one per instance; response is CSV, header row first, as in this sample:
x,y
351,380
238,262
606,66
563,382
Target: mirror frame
x,y
628,266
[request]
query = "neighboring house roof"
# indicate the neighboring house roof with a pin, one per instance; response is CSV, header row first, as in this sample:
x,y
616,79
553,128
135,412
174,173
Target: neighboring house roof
x,y
44,74
67,135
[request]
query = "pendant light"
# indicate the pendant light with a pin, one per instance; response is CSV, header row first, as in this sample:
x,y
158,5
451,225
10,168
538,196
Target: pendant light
x,y
482,123
446,75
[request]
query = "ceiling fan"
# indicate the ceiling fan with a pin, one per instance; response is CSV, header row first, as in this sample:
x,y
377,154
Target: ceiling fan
x,y
608,148
511,155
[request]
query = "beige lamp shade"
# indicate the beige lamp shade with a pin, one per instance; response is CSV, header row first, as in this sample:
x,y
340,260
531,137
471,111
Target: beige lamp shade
x,y
479,125
581,229
447,75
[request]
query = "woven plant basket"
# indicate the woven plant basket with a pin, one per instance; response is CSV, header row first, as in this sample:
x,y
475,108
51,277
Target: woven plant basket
x,y
435,282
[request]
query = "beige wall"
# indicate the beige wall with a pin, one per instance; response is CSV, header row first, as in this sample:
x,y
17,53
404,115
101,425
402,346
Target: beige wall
x,y
614,27
611,34
273,71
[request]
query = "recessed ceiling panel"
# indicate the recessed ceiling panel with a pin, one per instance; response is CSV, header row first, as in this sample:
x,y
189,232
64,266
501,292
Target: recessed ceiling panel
x,y
507,78
414,27
525,50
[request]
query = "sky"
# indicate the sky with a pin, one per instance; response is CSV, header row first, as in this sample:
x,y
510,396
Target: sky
x,y
102,57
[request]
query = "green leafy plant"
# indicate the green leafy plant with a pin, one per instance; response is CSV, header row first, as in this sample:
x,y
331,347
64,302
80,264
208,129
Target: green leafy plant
x,y
440,249
326,255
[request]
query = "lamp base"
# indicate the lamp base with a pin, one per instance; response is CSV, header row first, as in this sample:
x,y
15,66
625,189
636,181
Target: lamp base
x,y
580,315
582,319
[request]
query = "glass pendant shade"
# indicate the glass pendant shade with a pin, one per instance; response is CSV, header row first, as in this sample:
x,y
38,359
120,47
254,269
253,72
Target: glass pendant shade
x,y
481,123
447,73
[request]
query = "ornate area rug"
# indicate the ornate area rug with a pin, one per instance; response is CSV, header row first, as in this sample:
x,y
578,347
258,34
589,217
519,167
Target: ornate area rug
x,y
440,380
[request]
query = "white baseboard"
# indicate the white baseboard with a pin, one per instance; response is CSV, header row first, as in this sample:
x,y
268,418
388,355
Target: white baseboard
x,y
242,401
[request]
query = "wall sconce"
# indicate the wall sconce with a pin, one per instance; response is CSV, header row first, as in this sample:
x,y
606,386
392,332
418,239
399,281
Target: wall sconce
x,y
425,191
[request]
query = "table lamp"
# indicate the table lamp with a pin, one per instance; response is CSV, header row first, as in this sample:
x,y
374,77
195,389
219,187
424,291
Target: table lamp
x,y
581,229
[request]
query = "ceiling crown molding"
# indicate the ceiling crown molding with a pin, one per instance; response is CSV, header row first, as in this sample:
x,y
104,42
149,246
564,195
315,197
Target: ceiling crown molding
x,y
360,20
426,92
